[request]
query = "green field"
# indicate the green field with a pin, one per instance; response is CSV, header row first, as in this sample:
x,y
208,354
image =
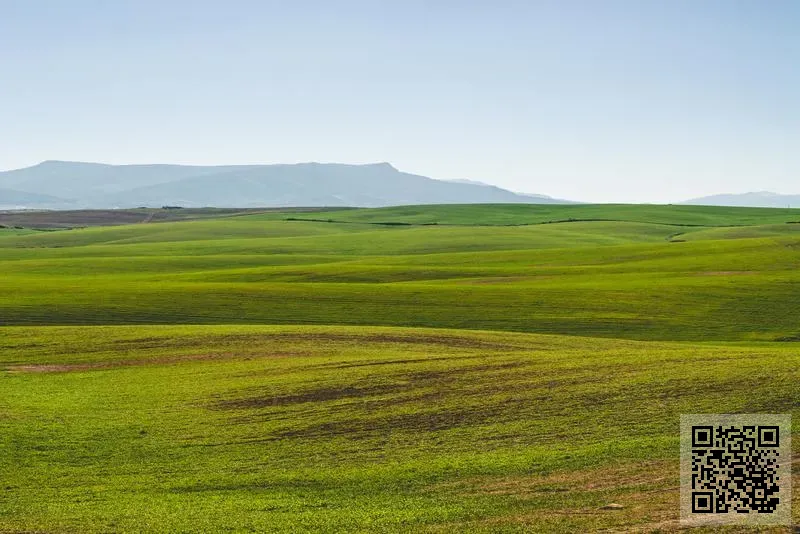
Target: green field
x,y
423,368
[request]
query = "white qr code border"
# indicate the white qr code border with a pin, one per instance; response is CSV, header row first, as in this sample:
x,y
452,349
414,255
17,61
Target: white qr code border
x,y
782,514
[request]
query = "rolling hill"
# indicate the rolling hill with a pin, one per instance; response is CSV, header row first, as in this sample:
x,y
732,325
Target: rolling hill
x,y
612,271
449,368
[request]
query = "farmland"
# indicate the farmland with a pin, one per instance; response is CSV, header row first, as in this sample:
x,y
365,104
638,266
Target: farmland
x,y
435,368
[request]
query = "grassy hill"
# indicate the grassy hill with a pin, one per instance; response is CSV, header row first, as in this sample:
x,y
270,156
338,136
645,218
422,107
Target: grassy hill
x,y
60,219
638,280
188,429
484,373
500,214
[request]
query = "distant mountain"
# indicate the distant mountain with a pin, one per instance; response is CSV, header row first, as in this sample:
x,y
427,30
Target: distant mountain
x,y
82,181
760,199
94,185
12,199
544,199
540,199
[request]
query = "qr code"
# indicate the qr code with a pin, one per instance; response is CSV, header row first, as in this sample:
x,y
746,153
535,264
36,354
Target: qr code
x,y
737,468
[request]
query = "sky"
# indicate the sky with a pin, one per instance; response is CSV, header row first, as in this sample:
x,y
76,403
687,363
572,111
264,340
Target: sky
x,y
597,100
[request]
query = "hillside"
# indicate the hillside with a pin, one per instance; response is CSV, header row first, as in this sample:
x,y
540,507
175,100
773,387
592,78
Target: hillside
x,y
504,214
340,429
449,368
53,219
642,276
94,185
446,368
12,199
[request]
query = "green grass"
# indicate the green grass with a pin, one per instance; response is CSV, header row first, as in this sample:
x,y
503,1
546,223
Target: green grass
x,y
766,230
609,279
484,373
513,214
58,219
188,429
6,231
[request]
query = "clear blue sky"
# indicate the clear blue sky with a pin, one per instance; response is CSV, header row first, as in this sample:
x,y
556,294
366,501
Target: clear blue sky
x,y
595,100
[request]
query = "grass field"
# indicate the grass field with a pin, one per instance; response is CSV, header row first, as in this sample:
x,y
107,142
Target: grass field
x,y
46,219
515,214
639,280
461,368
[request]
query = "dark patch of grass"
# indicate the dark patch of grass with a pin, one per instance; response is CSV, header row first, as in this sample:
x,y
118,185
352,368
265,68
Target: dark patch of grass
x,y
316,395
471,438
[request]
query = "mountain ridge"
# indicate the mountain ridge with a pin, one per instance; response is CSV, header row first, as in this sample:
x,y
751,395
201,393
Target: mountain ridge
x,y
70,185
753,199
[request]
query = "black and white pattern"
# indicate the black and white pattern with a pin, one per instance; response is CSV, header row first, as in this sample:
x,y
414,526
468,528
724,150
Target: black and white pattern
x,y
732,468
735,469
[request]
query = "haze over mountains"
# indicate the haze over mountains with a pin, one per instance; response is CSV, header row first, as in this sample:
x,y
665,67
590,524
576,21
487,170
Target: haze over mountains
x,y
72,185
77,185
760,199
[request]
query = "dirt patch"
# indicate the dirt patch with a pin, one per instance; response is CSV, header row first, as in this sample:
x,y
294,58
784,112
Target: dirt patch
x,y
144,343
358,429
387,362
449,341
497,280
165,360
437,377
315,395
111,217
53,368
404,382
648,492
636,474
423,389
725,273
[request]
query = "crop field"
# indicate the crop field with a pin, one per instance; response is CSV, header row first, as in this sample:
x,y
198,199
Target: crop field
x,y
476,368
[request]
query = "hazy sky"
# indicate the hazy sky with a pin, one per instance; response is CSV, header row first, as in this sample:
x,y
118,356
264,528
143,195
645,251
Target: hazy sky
x,y
596,100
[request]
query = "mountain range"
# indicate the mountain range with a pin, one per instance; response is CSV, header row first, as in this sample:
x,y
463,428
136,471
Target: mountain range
x,y
73,185
760,199
79,185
